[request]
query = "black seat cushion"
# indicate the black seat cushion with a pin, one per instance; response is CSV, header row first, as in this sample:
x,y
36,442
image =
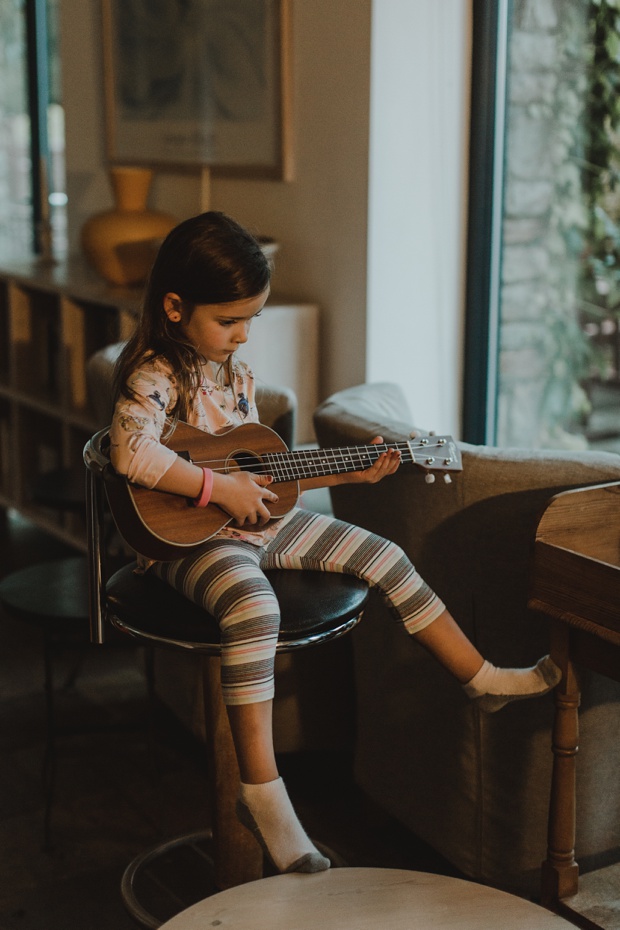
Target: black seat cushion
x,y
311,602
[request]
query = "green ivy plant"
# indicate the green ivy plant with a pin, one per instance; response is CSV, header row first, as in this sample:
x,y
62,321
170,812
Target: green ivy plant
x,y
599,285
600,171
582,235
566,349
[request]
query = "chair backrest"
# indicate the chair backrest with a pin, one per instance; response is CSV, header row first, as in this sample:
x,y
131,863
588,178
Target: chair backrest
x,y
97,464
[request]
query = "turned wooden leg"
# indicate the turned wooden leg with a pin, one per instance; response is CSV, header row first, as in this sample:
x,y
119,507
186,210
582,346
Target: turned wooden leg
x,y
238,857
560,872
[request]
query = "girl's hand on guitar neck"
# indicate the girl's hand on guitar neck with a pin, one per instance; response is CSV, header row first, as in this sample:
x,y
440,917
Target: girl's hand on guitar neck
x,y
386,464
244,496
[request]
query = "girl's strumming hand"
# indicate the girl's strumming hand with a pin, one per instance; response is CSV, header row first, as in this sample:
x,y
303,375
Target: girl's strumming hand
x,y
244,496
386,464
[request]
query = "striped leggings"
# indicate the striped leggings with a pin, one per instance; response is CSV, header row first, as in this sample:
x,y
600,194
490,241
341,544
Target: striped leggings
x,y
226,578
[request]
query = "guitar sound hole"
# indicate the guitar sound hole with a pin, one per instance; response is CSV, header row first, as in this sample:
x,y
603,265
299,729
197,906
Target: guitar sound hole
x,y
245,461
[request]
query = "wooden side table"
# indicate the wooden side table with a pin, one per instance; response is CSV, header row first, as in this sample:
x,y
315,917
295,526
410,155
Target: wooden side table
x,y
365,899
576,582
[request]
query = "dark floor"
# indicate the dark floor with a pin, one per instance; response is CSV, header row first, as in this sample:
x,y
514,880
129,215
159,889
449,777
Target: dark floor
x,y
115,795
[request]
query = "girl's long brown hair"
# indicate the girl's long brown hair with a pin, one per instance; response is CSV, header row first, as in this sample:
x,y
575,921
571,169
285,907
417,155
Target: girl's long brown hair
x,y
207,259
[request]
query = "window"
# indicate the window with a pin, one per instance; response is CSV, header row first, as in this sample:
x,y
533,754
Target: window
x,y
32,179
542,344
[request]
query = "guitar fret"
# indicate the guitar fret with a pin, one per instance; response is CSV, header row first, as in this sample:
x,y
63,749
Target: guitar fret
x,y
277,467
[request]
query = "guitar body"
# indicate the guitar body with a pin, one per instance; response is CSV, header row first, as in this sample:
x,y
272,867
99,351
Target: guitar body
x,y
165,526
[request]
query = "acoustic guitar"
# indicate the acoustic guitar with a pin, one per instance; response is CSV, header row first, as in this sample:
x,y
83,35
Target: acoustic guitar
x,y
164,526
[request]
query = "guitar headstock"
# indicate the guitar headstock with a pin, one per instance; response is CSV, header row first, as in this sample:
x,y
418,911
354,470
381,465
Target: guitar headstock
x,y
435,454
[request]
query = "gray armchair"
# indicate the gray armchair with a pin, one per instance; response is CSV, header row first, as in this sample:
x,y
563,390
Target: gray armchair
x,y
473,786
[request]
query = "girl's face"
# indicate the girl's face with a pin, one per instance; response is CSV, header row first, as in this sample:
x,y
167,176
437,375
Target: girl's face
x,y
216,330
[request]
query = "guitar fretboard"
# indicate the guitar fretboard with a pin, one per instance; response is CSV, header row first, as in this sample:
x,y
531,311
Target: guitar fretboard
x,y
314,463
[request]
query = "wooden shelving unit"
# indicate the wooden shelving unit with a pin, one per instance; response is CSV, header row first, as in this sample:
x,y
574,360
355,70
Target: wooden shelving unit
x,y
53,317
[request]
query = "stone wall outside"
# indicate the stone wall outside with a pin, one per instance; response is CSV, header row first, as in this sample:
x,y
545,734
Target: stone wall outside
x,y
538,392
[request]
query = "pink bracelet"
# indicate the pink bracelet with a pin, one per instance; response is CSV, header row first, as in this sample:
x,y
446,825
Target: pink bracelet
x,y
205,493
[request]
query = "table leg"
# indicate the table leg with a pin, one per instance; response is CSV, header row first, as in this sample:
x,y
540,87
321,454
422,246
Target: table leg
x,y
560,872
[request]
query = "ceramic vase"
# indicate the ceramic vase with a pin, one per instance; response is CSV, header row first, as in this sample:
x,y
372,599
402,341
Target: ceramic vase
x,y
121,243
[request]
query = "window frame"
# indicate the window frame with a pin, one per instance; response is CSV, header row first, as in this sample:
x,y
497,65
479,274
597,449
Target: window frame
x,y
37,67
484,227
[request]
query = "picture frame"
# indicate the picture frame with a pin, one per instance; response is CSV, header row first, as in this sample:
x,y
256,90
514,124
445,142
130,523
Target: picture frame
x,y
198,84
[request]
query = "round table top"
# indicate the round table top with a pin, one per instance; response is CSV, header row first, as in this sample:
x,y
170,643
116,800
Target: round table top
x,y
365,899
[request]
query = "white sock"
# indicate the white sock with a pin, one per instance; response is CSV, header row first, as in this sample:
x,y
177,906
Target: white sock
x,y
278,829
493,687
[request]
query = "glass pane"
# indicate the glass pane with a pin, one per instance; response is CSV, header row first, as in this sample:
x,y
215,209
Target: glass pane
x,y
15,184
56,136
559,350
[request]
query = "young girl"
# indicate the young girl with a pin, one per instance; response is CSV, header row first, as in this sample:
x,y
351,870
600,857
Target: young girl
x,y
208,285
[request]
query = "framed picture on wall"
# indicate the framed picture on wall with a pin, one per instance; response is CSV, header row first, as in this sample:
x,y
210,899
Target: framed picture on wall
x,y
198,84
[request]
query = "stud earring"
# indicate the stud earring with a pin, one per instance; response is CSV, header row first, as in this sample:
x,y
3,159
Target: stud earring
x,y
175,317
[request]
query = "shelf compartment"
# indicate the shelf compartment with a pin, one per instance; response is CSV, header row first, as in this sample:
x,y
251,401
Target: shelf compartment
x,y
7,469
86,328
35,342
75,440
40,451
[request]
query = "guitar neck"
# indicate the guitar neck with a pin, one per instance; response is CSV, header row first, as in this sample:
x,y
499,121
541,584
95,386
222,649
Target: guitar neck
x,y
432,453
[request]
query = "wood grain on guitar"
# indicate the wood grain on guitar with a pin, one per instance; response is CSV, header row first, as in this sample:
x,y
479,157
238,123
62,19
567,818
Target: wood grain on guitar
x,y
163,526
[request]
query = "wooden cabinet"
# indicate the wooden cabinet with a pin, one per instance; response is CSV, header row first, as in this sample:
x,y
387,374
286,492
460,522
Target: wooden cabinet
x,y
52,319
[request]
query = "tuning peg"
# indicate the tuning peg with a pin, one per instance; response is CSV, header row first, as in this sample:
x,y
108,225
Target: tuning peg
x,y
447,479
429,478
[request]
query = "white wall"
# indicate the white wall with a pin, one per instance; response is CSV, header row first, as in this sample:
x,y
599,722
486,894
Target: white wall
x,y
321,216
417,202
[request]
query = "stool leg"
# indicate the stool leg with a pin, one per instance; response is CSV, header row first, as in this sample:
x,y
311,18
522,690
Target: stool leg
x,y
149,675
560,872
49,756
74,673
238,857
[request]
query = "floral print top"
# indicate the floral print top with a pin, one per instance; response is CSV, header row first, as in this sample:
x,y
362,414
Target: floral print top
x,y
136,449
